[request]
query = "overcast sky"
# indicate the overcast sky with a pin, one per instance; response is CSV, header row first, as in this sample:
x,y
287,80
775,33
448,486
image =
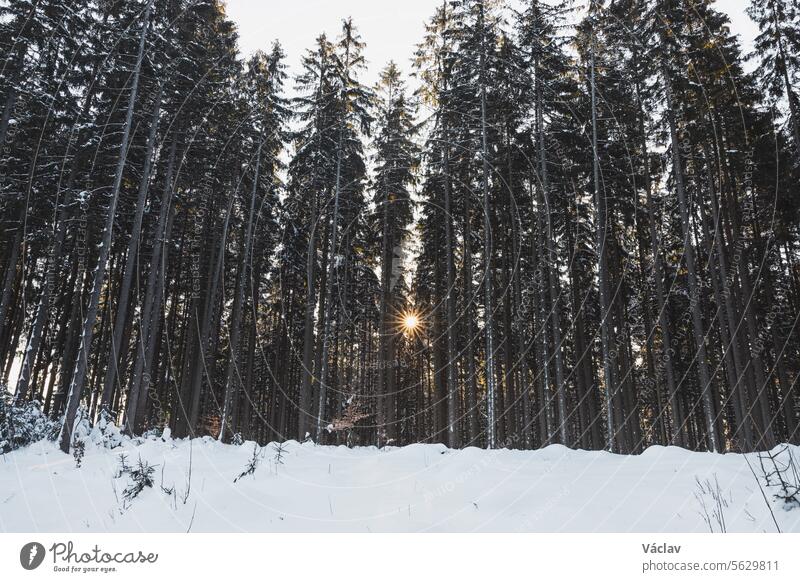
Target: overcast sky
x,y
391,30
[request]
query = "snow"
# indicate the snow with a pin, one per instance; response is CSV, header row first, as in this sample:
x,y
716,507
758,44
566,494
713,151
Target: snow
x,y
423,487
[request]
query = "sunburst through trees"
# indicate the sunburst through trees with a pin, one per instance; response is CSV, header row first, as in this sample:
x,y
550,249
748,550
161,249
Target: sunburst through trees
x,y
577,228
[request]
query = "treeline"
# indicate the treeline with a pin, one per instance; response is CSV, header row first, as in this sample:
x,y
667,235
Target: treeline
x,y
583,233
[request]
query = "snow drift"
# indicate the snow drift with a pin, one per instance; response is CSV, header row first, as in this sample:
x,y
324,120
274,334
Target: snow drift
x,y
159,484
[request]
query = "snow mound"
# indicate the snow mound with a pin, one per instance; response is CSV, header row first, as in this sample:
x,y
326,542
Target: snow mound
x,y
203,485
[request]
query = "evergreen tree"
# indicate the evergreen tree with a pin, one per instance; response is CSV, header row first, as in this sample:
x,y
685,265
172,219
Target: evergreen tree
x,y
396,158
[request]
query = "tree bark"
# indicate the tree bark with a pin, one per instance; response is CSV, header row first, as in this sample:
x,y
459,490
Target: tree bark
x,y
453,439
130,261
151,302
602,269
233,376
487,248
694,290
79,375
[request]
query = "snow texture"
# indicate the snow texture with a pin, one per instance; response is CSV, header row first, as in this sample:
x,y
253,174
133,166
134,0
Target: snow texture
x,y
305,487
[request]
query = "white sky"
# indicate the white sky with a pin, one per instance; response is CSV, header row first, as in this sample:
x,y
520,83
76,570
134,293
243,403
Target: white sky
x,y
391,29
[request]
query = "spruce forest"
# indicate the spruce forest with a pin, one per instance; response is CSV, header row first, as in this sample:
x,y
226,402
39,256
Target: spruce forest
x,y
556,222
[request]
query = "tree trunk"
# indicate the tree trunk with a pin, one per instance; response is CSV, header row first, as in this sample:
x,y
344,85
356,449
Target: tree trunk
x,y
602,270
151,302
233,376
131,260
487,249
332,260
550,265
694,290
468,325
205,354
79,375
453,439
9,278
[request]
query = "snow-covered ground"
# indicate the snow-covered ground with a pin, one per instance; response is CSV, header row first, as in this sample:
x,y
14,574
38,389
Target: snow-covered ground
x,y
413,488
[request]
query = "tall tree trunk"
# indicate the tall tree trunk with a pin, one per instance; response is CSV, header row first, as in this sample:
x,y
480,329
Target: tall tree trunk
x,y
602,268
233,376
131,260
304,414
329,282
694,290
550,265
151,378
678,434
468,325
57,246
487,248
453,439
386,370
728,319
205,354
151,302
79,375
10,277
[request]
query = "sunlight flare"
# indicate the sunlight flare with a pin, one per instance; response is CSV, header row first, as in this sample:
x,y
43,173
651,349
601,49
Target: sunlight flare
x,y
410,321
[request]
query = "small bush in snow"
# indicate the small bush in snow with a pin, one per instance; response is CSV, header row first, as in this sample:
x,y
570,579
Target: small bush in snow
x,y
781,470
124,468
141,476
169,491
279,452
713,504
78,451
23,423
251,466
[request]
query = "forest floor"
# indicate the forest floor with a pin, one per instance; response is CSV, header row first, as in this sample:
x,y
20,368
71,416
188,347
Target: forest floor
x,y
305,487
